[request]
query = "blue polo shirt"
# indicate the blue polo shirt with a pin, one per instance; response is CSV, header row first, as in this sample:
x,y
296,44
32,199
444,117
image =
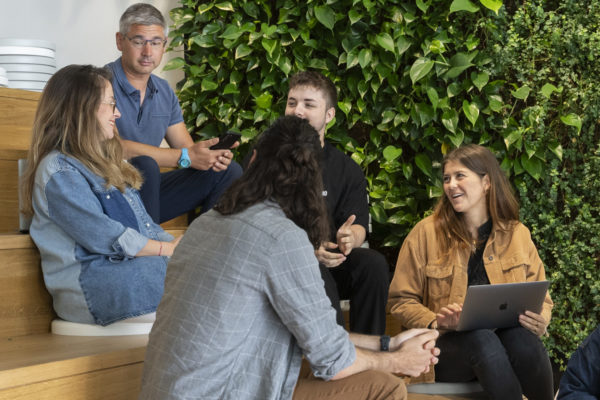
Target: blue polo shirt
x,y
146,124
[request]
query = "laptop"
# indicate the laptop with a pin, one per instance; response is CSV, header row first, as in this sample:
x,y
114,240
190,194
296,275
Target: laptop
x,y
499,306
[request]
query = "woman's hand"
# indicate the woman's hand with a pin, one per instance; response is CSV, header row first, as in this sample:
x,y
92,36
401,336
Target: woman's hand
x,y
448,316
533,322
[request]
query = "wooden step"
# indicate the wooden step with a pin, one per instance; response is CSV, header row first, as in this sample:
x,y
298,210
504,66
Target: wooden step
x,y
50,366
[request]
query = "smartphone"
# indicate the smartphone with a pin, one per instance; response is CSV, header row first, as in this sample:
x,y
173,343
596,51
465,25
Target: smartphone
x,y
226,140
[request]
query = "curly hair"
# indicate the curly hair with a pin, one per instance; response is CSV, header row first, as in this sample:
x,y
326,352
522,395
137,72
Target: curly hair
x,y
286,168
502,204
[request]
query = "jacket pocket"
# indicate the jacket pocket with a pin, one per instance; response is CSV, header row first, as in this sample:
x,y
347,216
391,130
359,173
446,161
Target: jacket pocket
x,y
514,268
439,280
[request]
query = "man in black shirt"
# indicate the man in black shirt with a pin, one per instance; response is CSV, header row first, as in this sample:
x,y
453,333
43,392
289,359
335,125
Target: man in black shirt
x,y
349,270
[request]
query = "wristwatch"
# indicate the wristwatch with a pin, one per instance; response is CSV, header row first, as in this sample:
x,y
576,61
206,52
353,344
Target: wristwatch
x,y
384,342
184,160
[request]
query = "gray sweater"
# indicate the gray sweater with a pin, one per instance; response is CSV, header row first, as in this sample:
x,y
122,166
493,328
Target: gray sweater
x,y
243,301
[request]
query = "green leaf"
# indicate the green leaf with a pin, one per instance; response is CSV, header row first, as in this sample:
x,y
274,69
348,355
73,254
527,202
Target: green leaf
x,y
463,5
471,111
390,153
264,100
453,89
385,41
354,16
242,51
202,8
232,33
495,103
425,112
175,63
493,5
424,164
433,96
450,120
407,170
204,41
269,45
572,120
420,69
480,80
208,85
422,6
403,44
364,58
378,213
521,93
326,16
345,106
557,149
513,137
225,6
285,65
458,139
362,88
458,63
251,9
548,89
532,165
230,88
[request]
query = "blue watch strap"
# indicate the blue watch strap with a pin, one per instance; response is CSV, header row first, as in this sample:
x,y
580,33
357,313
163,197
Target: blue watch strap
x,y
184,160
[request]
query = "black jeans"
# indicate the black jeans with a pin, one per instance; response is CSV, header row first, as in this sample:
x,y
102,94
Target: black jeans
x,y
364,279
507,362
171,194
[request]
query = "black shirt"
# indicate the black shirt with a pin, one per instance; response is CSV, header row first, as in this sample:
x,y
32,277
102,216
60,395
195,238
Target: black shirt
x,y
476,271
344,189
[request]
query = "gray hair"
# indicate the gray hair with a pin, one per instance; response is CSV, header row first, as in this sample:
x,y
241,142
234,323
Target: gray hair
x,y
141,14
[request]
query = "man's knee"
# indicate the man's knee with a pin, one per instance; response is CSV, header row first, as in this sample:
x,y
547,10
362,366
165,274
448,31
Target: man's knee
x,y
371,266
381,385
147,166
233,171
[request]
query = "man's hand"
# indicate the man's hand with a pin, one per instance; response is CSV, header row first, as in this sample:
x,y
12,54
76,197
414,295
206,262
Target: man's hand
x,y
345,236
203,158
327,257
417,352
448,316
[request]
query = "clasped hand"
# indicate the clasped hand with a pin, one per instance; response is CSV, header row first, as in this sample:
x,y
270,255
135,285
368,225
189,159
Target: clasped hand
x,y
416,351
203,158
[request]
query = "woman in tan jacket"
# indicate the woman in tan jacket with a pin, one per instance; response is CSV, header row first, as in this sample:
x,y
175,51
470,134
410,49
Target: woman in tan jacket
x,y
474,237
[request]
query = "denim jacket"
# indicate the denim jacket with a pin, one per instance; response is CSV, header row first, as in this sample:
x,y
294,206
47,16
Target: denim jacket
x,y
88,237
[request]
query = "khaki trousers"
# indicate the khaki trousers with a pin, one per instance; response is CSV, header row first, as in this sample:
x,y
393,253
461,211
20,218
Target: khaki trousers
x,y
367,385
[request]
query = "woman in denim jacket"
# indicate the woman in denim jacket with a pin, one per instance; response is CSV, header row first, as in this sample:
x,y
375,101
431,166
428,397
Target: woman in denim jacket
x,y
103,258
474,237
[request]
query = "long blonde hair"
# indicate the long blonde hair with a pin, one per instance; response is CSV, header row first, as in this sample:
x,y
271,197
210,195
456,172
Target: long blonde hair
x,y
66,120
502,205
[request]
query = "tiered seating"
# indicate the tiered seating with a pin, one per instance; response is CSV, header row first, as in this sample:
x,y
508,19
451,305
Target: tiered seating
x,y
34,363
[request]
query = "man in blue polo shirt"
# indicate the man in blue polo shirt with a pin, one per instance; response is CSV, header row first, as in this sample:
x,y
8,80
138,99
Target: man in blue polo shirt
x,y
150,113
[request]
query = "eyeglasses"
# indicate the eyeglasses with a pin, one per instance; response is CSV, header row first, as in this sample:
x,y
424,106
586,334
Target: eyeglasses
x,y
139,43
112,103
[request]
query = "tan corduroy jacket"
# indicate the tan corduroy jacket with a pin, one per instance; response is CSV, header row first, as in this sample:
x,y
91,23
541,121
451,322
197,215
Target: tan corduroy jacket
x,y
424,281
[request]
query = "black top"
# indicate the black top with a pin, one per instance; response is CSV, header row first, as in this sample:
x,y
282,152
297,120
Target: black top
x,y
477,274
344,188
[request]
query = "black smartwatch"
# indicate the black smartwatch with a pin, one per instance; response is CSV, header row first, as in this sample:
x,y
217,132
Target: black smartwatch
x,y
384,342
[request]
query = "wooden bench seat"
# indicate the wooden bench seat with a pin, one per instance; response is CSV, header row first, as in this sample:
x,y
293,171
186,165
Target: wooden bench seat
x,y
47,366
34,363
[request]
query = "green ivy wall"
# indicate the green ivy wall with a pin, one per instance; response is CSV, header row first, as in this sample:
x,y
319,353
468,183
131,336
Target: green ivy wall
x,y
415,79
